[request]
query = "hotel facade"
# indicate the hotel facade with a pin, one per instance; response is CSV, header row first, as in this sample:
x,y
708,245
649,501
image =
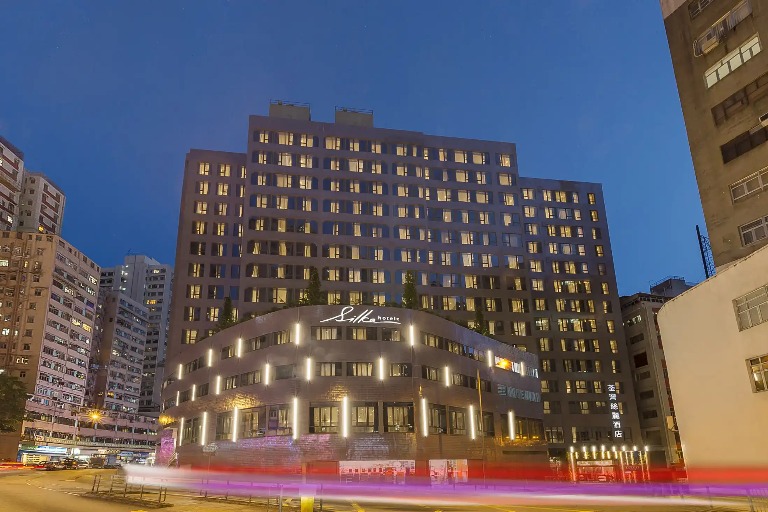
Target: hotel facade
x,y
366,205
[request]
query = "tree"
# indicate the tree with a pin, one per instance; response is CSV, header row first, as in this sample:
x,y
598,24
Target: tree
x,y
13,396
227,317
481,325
313,295
410,295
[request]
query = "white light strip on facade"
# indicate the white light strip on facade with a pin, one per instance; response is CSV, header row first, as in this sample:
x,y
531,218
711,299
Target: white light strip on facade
x,y
489,356
266,374
522,368
298,333
424,418
234,425
472,432
345,417
203,430
309,369
381,368
210,357
194,390
295,413
239,351
218,384
447,376
181,369
177,398
412,336
181,431
511,420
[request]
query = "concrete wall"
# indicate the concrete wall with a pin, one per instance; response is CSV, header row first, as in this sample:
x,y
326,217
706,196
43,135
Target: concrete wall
x,y
721,420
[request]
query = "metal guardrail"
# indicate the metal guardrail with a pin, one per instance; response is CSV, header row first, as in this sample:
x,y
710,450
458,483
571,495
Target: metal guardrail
x,y
120,487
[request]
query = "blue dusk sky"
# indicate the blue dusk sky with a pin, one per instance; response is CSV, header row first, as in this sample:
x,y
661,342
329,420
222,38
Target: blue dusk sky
x,y
107,97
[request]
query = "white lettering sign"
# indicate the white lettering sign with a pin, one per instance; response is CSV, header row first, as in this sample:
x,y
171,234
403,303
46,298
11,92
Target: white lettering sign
x,y
367,316
615,414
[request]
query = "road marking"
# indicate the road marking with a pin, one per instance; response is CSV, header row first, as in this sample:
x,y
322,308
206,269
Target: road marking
x,y
357,507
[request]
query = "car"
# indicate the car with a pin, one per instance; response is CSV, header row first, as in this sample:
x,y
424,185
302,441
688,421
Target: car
x,y
69,463
82,464
50,465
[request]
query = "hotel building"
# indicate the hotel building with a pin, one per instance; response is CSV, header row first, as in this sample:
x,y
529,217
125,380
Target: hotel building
x,y
365,205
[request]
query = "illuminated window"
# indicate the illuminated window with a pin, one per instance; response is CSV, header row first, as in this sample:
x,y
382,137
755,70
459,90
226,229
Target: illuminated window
x,y
758,368
224,170
732,61
204,169
202,187
599,251
222,189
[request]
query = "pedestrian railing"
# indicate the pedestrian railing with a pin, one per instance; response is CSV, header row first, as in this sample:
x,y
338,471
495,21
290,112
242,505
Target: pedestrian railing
x,y
119,486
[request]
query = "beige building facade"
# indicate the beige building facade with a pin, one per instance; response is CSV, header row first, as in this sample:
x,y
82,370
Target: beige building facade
x,y
716,346
722,78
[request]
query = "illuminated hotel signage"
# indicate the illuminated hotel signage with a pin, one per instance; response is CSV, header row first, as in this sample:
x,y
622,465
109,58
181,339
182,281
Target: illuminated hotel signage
x,y
348,315
613,404
520,394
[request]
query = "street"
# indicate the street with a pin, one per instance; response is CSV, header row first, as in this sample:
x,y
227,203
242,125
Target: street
x,y
59,491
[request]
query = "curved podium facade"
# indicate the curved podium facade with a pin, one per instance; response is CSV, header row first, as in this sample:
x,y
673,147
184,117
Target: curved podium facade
x,y
353,391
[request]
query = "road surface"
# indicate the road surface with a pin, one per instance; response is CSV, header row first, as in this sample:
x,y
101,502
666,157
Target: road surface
x,y
59,491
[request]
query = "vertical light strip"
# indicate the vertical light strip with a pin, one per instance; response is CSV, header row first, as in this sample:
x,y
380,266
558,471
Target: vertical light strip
x,y
194,390
309,369
381,368
412,336
345,417
177,398
239,351
424,418
218,384
210,357
181,369
511,420
472,432
234,425
447,372
266,374
295,413
522,368
204,429
181,431
298,334
489,356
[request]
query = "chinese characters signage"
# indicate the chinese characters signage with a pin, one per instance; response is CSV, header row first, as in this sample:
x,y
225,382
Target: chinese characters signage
x,y
613,405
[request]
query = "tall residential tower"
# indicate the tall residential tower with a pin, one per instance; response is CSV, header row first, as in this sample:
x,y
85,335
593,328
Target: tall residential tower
x,y
146,281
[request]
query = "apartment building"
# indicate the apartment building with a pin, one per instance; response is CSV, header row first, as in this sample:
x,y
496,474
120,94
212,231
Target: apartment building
x,y
29,201
41,204
722,79
148,281
117,363
715,333
366,205
11,179
653,393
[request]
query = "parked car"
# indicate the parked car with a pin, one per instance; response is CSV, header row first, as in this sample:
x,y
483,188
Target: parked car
x,y
82,464
69,463
50,465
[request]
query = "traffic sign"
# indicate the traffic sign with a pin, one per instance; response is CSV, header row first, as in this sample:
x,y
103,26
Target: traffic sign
x,y
210,448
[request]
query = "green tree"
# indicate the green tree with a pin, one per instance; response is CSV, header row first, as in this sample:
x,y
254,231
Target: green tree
x,y
227,317
410,295
481,325
313,295
13,396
